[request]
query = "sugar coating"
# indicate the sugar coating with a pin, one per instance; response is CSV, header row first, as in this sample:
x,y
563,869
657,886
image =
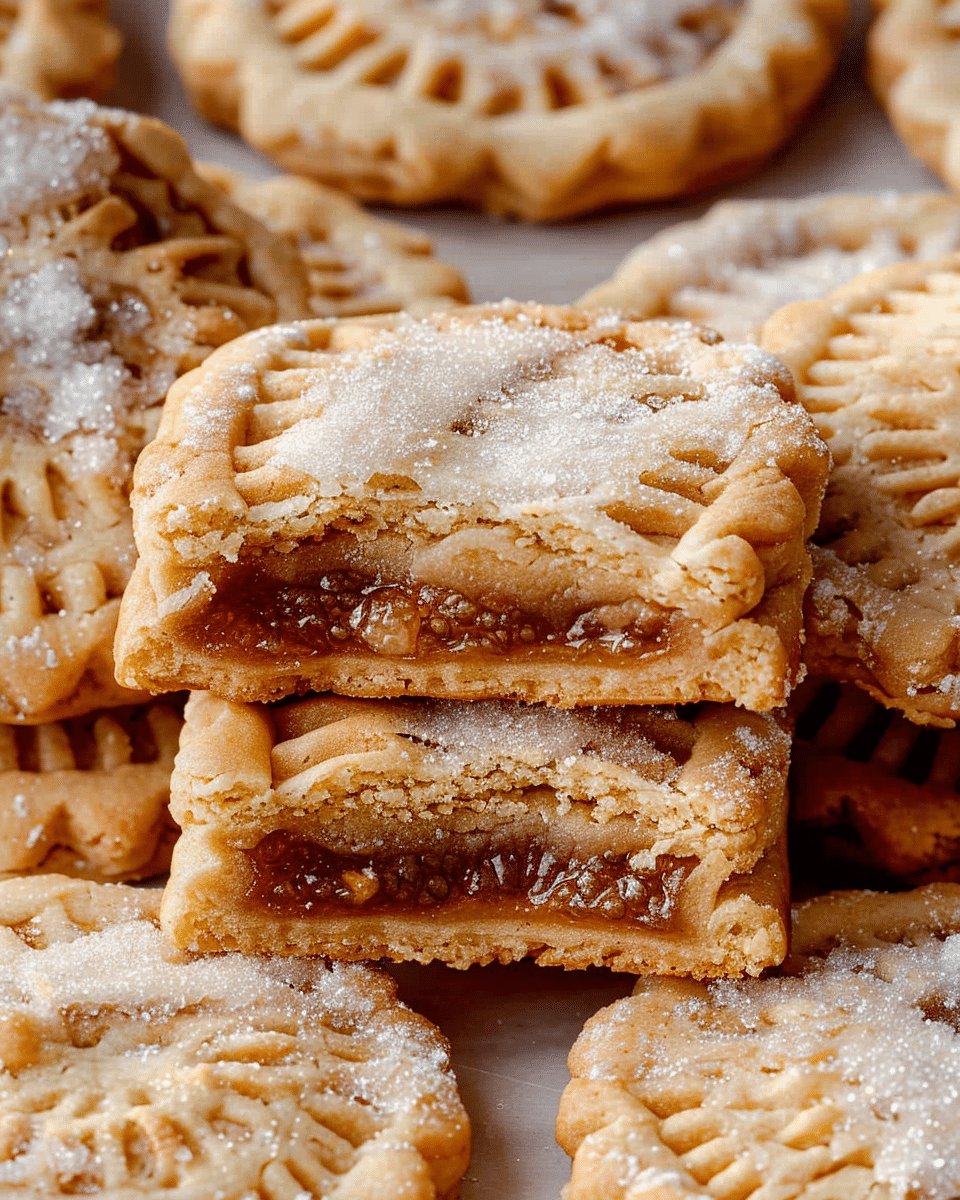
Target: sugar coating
x,y
510,412
741,262
109,969
227,1064
460,731
854,1027
51,154
69,382
640,41
739,297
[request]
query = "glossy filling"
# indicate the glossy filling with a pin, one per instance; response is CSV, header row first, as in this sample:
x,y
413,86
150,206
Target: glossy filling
x,y
342,613
295,876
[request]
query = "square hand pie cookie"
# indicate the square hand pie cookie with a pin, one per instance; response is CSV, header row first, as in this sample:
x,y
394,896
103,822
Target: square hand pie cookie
x,y
502,501
58,47
539,109
873,798
88,797
877,364
125,1073
356,263
635,838
834,1076
736,266
122,269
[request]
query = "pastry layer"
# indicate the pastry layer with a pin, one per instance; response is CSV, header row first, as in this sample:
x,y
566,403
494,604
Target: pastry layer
x,y
504,500
636,838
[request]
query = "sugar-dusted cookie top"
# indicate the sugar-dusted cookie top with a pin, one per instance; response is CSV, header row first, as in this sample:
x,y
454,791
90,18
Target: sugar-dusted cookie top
x,y
876,364
504,500
62,48
126,1073
736,266
122,269
828,1077
539,109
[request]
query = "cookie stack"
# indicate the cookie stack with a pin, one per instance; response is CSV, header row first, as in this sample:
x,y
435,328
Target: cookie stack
x,y
353,508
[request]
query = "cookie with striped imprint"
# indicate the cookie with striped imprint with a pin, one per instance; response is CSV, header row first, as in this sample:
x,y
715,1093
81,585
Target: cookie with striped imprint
x,y
737,265
499,501
827,1077
543,110
356,263
123,269
126,1073
876,364
873,797
89,796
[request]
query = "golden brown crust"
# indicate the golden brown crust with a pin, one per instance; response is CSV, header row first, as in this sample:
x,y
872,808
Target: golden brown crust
x,y
822,1078
734,267
356,263
634,838
395,103
683,549
89,797
124,269
875,364
58,47
912,70
218,1076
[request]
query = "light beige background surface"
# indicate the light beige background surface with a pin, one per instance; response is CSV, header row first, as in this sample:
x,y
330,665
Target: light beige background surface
x,y
511,1027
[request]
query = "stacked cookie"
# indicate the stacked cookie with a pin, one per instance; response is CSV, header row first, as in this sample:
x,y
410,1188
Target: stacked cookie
x,y
352,508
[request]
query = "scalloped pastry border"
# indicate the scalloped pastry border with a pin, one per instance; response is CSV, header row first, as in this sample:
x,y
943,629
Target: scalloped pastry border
x,y
684,135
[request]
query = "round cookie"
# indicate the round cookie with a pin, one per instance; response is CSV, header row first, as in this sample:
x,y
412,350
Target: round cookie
x,y
66,48
829,1077
540,110
123,269
125,1074
913,61
356,263
737,265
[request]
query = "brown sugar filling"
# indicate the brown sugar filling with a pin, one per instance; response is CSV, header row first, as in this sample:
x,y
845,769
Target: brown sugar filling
x,y
342,611
296,876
